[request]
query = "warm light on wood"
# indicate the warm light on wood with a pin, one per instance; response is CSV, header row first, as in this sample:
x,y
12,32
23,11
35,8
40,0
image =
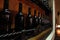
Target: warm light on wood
x,y
58,26
58,31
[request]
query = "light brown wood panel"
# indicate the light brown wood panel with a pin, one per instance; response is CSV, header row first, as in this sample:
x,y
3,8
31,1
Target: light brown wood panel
x,y
57,7
37,13
1,4
32,11
33,6
25,8
13,5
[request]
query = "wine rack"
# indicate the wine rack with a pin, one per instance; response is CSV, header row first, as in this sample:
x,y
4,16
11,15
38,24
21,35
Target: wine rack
x,y
28,19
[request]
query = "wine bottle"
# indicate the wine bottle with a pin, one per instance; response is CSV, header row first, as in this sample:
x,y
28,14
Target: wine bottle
x,y
29,24
35,20
39,18
29,20
39,23
19,19
5,19
19,23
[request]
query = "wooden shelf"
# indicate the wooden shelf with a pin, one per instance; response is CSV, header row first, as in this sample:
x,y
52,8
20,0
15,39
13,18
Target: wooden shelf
x,y
40,35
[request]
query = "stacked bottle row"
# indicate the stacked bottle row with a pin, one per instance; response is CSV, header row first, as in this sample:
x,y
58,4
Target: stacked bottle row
x,y
32,22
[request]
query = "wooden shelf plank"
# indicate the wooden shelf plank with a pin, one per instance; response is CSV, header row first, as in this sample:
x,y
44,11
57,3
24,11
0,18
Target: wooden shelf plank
x,y
40,35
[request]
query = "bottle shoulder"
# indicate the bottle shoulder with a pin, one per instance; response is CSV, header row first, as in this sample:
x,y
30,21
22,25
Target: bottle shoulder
x,y
5,11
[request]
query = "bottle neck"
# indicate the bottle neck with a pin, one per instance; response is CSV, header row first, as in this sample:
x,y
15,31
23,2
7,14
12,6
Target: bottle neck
x,y
35,13
38,14
20,8
6,2
29,11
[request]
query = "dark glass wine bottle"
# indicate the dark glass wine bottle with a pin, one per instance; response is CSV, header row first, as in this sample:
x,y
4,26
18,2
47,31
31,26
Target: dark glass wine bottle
x,y
39,23
19,19
35,20
5,19
35,23
29,24
19,23
29,20
39,18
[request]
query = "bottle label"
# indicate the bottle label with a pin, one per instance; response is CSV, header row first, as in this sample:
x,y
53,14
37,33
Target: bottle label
x,y
36,19
7,16
22,18
39,17
30,20
35,16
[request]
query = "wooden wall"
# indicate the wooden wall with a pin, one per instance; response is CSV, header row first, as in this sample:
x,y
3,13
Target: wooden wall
x,y
14,6
57,9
